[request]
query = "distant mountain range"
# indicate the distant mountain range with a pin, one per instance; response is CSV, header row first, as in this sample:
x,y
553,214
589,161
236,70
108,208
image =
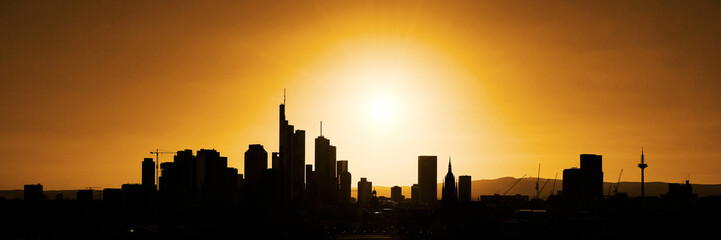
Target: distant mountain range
x,y
525,186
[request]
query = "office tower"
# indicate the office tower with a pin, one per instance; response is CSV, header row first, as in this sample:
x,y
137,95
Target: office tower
x,y
256,161
148,174
298,166
397,194
310,195
585,183
211,180
33,193
427,179
344,179
341,166
290,159
364,192
344,188
464,188
449,193
185,170
415,194
325,172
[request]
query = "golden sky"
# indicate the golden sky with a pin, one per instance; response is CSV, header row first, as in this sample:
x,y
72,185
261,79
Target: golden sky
x,y
88,88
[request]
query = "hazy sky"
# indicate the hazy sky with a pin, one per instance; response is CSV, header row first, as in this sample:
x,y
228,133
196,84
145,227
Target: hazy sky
x,y
88,88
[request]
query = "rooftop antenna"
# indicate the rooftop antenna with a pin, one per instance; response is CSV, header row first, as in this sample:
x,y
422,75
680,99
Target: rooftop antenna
x,y
283,96
321,128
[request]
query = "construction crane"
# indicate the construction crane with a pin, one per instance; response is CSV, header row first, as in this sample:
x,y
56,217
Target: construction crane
x,y
544,185
157,153
554,183
538,179
615,188
512,185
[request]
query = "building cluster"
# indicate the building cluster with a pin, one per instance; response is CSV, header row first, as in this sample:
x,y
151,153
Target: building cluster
x,y
204,177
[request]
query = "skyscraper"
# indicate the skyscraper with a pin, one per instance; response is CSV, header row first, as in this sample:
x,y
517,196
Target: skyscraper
x,y
364,192
449,193
256,161
148,174
344,179
397,194
325,171
427,179
415,196
290,159
464,188
585,183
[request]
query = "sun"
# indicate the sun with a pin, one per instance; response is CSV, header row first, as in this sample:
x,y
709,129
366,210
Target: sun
x,y
382,109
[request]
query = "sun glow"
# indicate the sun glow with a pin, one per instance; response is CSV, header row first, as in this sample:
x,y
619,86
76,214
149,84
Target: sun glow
x,y
382,109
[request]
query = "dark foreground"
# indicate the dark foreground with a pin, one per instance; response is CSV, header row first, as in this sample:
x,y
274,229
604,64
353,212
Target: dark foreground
x,y
607,219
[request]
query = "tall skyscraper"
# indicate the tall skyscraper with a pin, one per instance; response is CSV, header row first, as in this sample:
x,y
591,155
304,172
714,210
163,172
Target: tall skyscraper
x,y
364,192
148,174
290,159
325,172
464,188
256,161
427,179
449,193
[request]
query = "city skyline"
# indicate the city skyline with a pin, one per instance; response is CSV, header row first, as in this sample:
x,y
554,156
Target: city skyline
x,y
89,89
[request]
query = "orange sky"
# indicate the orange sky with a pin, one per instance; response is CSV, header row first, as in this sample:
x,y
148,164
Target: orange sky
x,y
88,88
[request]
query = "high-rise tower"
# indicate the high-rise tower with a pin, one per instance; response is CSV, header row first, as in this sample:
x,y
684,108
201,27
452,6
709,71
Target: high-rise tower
x,y
289,161
642,166
449,186
427,180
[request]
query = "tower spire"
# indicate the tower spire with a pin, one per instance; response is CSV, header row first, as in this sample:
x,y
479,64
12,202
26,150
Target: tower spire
x,y
449,163
321,128
283,96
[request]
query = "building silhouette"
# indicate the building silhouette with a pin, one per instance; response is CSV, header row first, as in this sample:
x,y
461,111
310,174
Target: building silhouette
x,y
310,195
289,161
364,192
449,193
84,195
344,181
585,183
33,193
148,174
114,195
427,177
415,195
397,194
204,177
464,188
256,161
326,187
680,192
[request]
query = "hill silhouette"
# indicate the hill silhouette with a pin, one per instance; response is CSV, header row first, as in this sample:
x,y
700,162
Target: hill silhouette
x,y
527,186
